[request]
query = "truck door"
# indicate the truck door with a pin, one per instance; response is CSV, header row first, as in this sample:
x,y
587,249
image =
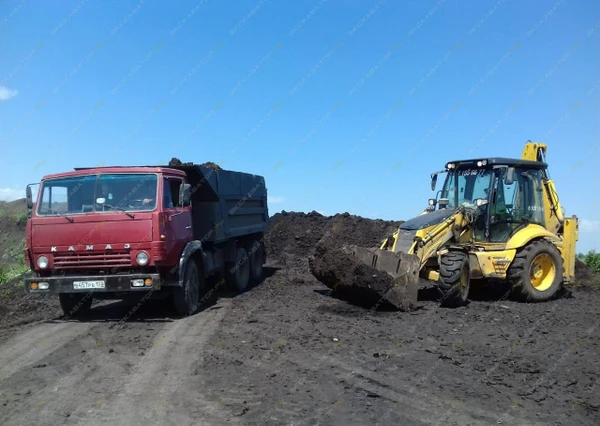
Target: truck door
x,y
178,220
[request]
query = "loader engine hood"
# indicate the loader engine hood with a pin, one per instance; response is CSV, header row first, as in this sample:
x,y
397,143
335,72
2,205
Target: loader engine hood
x,y
427,220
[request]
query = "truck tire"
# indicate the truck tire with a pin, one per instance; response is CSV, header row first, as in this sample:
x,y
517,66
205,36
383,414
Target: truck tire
x,y
186,298
536,273
455,279
238,274
75,305
256,262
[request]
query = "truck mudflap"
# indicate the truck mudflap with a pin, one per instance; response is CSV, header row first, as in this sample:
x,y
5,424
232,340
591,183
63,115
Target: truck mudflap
x,y
95,283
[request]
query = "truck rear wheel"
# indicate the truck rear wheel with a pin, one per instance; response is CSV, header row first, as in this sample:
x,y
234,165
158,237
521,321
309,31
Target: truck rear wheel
x,y
238,274
455,279
256,262
186,298
75,305
536,273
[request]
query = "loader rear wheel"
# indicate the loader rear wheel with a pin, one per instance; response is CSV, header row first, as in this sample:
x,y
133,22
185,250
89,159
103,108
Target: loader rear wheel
x,y
536,273
455,279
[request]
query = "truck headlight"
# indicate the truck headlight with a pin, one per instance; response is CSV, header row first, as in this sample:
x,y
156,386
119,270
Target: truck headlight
x,y
142,258
42,262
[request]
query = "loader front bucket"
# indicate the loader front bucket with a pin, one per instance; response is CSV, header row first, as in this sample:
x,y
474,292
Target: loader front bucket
x,y
372,275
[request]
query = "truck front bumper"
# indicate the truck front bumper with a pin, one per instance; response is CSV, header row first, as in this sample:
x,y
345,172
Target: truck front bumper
x,y
96,283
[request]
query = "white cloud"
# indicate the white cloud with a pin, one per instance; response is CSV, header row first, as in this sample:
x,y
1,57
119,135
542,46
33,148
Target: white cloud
x,y
586,225
11,194
275,200
6,93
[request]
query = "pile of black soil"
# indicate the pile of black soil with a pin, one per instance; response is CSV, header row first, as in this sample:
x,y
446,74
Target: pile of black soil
x,y
585,278
297,234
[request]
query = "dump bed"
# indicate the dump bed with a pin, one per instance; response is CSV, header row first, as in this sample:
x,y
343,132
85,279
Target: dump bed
x,y
226,204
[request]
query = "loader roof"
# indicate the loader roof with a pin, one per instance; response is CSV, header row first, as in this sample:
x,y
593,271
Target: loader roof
x,y
498,161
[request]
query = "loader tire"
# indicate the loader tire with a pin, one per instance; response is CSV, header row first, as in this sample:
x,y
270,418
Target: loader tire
x,y
536,273
455,279
186,298
75,305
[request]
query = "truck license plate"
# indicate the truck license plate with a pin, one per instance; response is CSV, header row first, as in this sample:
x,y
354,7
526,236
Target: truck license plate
x,y
87,284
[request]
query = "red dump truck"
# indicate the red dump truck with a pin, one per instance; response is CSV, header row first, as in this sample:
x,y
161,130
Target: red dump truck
x,y
110,232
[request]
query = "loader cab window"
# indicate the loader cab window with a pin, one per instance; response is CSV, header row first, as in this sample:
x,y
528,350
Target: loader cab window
x,y
464,186
516,204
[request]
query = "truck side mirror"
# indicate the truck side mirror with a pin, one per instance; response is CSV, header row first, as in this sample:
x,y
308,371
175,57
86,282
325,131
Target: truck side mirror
x,y
434,178
185,194
510,176
29,197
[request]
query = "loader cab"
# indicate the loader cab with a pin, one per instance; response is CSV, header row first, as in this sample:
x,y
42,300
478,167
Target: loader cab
x,y
505,194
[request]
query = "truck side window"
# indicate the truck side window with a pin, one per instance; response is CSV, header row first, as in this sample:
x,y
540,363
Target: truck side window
x,y
167,198
171,192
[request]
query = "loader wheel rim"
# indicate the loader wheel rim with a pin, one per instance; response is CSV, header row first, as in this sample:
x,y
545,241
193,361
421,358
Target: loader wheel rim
x,y
542,272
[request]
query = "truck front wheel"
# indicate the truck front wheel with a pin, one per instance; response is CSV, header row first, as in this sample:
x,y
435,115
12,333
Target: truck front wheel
x,y
75,305
186,298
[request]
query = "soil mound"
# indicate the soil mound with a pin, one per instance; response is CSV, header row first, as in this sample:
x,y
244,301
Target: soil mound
x,y
292,233
585,278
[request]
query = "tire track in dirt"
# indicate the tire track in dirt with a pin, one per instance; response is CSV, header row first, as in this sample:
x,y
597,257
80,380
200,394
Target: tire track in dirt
x,y
163,388
35,344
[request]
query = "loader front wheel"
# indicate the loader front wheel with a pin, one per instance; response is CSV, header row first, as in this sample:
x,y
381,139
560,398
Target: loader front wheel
x,y
455,279
536,273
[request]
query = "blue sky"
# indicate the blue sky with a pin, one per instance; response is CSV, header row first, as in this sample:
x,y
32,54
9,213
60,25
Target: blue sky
x,y
341,105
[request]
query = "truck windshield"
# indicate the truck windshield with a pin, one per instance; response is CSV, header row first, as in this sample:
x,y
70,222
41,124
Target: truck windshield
x,y
464,186
98,193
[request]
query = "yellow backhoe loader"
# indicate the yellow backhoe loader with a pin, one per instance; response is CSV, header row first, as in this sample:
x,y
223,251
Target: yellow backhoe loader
x,y
496,218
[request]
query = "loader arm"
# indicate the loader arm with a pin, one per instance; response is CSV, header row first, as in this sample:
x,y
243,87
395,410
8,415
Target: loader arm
x,y
430,240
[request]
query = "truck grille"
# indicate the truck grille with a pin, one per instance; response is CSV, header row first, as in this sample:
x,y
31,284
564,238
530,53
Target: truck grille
x,y
91,260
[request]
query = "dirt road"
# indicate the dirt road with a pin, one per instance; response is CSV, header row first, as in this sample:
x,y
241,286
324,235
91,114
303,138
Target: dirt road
x,y
105,371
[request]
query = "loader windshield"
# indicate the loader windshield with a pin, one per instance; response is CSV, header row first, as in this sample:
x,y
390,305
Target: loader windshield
x,y
464,186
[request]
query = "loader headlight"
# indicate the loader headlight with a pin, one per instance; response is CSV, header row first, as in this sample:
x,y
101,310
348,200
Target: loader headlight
x,y
42,262
142,258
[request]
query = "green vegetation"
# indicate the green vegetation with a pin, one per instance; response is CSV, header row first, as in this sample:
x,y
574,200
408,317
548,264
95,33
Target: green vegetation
x,y
12,263
591,260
